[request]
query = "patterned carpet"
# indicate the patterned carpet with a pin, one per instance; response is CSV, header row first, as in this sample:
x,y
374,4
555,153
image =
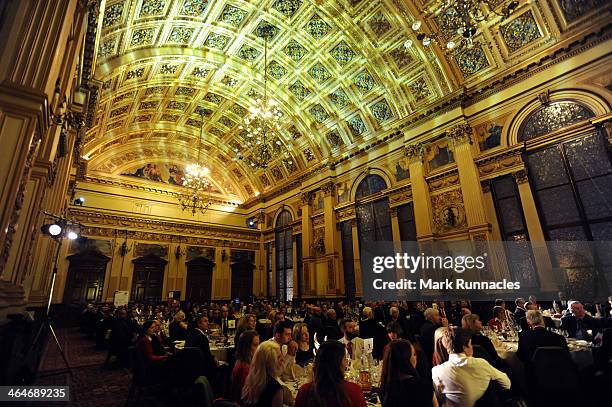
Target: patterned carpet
x,y
91,385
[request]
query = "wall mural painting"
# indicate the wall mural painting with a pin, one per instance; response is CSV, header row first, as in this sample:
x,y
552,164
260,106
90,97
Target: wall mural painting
x,y
489,136
146,249
166,173
343,191
194,252
83,245
401,171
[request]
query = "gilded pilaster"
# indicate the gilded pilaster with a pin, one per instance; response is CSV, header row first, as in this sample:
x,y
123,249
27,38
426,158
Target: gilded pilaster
x,y
420,192
536,234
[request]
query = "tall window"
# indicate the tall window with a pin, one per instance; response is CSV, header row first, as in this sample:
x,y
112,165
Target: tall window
x,y
407,225
300,269
572,184
346,235
268,248
513,228
373,220
284,257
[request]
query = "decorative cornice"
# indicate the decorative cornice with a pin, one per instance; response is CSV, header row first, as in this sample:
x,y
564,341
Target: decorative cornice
x,y
147,188
103,220
502,162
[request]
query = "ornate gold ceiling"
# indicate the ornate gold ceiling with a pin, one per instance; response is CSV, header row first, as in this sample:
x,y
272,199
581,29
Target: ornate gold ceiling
x,y
338,69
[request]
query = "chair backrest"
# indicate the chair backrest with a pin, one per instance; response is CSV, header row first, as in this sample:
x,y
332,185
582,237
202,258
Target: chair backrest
x,y
480,352
139,367
553,375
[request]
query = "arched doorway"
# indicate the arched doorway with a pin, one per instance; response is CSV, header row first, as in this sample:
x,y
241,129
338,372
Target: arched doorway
x,y
284,256
148,279
199,279
86,276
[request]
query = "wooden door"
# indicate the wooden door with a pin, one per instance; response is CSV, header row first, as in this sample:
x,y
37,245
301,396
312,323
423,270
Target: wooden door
x,y
199,279
242,279
148,279
86,275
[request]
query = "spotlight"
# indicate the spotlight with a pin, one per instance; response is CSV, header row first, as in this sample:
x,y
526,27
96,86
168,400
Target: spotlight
x,y
251,222
72,235
79,201
52,229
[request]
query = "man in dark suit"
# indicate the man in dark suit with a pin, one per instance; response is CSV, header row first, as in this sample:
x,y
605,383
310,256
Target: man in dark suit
x,y
369,328
519,312
433,321
537,337
579,323
198,339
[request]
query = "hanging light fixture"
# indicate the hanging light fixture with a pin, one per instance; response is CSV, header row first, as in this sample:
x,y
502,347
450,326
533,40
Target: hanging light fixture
x,y
195,194
261,126
462,18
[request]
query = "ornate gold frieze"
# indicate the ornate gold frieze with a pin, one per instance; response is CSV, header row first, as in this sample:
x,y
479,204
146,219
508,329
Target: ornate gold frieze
x,y
111,221
499,164
318,242
520,176
448,211
345,213
318,220
328,188
443,180
415,152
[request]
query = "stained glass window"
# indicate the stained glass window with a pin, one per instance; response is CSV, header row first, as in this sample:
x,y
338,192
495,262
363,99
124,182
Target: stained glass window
x,y
552,117
346,231
513,228
572,183
284,257
370,185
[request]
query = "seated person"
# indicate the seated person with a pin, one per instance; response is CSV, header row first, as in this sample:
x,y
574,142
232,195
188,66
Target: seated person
x,y
440,354
463,379
328,387
152,351
178,327
304,354
197,339
433,321
536,337
579,323
498,322
400,380
473,323
350,339
262,387
245,349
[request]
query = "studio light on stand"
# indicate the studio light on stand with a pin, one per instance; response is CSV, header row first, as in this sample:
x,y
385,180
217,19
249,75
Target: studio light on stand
x,y
58,228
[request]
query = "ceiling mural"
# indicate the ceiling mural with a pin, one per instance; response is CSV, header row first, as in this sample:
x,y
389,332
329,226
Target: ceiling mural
x,y
339,70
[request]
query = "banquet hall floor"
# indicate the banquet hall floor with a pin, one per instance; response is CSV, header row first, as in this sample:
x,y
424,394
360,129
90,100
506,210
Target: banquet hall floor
x,y
91,384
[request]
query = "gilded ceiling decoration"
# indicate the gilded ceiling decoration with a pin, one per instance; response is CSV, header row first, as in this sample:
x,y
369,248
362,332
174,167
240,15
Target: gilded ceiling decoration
x,y
339,70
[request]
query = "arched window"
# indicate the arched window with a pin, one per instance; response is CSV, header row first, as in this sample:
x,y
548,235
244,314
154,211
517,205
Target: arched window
x,y
552,117
284,256
373,219
370,185
572,185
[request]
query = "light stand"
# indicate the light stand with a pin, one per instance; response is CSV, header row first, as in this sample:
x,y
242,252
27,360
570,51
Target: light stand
x,y
46,323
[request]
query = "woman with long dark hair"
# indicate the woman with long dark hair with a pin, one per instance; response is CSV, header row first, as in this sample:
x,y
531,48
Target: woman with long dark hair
x,y
245,349
328,387
400,384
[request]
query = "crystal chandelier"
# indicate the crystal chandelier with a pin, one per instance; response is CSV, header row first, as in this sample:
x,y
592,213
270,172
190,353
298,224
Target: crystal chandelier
x,y
195,194
262,124
459,21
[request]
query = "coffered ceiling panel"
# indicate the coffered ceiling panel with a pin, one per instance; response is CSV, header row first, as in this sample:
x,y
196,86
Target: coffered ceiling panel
x,y
339,69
